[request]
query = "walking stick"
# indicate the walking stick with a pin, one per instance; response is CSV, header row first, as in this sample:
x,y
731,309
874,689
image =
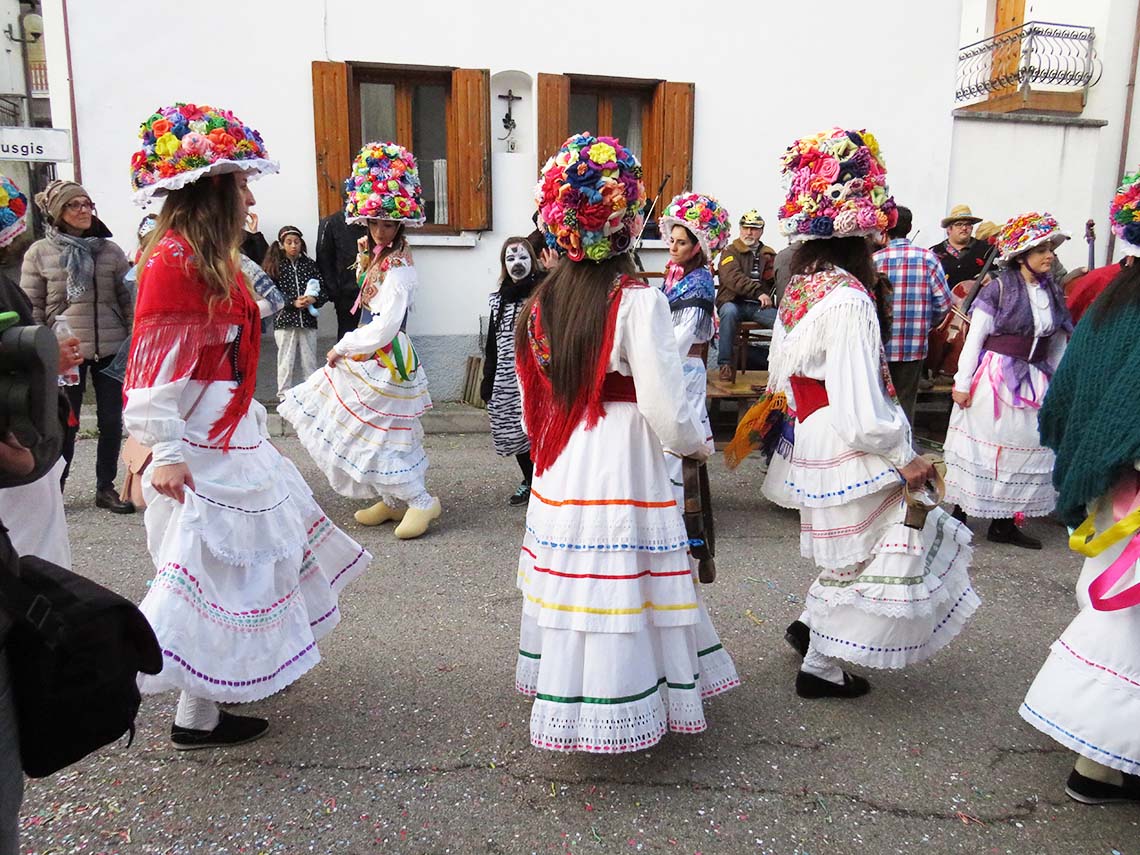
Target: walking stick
x,y
698,517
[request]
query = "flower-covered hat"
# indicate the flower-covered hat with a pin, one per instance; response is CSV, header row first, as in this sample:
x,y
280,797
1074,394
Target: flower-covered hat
x,y
1125,214
837,187
702,215
183,143
384,185
13,211
1021,234
590,198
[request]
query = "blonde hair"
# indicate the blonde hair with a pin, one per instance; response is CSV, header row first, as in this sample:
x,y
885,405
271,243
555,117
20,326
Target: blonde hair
x,y
207,215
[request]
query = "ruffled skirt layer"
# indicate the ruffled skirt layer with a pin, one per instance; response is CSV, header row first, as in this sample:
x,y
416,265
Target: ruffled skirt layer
x,y
362,428
1087,694
615,643
995,463
249,569
887,595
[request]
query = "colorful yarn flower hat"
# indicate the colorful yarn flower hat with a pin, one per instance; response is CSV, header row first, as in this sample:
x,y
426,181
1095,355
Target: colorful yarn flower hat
x,y
836,183
590,199
1021,234
185,142
384,185
1125,214
702,215
13,211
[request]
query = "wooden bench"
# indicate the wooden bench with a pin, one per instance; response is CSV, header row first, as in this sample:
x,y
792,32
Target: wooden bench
x,y
744,392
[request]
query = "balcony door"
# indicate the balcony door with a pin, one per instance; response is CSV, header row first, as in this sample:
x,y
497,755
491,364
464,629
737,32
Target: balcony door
x,y
1008,15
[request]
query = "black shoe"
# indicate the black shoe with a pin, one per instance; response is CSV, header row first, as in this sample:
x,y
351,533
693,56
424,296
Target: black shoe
x,y
811,686
1088,791
230,730
1004,531
109,499
798,636
522,495
958,514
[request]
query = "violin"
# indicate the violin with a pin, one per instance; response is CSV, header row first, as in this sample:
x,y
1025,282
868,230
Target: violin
x,y
949,337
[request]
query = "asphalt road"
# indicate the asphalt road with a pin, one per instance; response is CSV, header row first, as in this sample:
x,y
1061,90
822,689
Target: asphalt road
x,y
410,738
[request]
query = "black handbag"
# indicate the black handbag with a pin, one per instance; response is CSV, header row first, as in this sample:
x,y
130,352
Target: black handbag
x,y
75,650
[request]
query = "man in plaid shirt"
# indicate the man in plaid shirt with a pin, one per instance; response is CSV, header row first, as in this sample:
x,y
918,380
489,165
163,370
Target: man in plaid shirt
x,y
922,299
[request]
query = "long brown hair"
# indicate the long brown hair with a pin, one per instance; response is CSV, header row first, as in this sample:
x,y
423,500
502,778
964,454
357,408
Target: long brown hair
x,y
207,215
850,253
574,302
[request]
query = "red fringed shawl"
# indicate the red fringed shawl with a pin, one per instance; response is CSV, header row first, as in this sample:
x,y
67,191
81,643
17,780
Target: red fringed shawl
x,y
172,310
550,423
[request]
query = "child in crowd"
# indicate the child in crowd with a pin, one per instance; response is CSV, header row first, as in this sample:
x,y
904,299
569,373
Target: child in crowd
x,y
519,274
295,327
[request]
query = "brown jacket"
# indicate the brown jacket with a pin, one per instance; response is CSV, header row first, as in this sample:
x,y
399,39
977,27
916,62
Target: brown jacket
x,y
734,272
101,319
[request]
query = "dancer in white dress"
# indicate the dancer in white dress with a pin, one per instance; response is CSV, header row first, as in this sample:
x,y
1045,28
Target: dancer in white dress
x,y
615,645
698,229
996,466
1087,694
248,567
888,595
359,415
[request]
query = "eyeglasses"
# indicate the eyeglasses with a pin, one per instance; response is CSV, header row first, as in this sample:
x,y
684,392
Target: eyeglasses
x,y
961,225
80,205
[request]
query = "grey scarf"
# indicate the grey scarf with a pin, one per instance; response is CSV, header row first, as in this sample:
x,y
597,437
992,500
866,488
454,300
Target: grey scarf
x,y
77,256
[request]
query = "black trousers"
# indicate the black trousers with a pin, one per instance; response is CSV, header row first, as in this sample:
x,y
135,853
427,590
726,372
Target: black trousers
x,y
346,319
108,414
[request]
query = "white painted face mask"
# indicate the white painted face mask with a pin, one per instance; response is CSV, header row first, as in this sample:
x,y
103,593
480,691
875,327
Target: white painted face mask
x,y
517,261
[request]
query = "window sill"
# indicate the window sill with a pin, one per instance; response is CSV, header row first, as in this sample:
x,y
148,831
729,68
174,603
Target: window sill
x,y
654,244
463,239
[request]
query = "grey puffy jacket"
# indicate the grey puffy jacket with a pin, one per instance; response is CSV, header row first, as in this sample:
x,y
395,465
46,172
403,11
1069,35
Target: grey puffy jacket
x,y
101,318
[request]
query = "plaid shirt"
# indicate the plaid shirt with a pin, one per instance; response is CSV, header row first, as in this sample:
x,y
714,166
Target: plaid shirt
x,y
922,297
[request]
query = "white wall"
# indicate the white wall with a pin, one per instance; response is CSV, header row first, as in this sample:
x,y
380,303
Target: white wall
x,y
1003,169
765,74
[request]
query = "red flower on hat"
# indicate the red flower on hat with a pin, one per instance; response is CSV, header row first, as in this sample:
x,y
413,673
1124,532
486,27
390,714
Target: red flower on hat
x,y
138,160
18,206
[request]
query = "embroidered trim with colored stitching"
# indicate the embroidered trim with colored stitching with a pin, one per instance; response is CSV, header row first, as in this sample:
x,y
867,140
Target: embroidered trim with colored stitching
x,y
671,503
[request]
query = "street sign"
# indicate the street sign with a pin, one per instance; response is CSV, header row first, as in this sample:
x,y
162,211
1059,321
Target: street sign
x,y
52,145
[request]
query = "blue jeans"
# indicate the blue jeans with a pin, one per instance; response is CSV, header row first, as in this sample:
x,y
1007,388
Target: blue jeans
x,y
731,314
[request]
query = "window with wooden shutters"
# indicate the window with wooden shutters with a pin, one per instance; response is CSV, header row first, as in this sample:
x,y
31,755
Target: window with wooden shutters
x,y
653,118
442,115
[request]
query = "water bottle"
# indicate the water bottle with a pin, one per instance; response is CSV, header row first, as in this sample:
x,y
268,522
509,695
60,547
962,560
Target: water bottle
x,y
62,330
313,289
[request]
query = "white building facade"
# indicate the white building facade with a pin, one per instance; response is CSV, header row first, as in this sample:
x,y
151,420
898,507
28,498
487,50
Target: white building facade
x,y
713,102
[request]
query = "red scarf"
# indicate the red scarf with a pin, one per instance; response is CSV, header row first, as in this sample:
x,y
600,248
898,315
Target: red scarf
x,y
550,423
171,310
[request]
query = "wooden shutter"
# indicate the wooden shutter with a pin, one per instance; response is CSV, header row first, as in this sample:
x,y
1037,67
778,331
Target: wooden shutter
x,y
553,114
669,142
470,147
331,132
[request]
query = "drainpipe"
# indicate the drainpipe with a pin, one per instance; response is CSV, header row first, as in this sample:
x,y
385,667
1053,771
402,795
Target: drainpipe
x,y
1130,95
71,95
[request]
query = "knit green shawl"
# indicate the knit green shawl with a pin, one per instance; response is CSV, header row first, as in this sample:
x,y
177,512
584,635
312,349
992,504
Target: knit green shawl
x,y
1091,414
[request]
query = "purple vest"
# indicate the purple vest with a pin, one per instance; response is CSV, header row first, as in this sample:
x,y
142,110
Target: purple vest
x,y
1008,302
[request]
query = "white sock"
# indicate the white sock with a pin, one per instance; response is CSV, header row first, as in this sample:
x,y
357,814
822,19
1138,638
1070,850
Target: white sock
x,y
818,665
422,502
196,713
1095,771
390,501
804,618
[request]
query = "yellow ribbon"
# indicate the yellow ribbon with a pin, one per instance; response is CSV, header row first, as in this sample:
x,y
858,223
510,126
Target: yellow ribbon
x,y
1087,542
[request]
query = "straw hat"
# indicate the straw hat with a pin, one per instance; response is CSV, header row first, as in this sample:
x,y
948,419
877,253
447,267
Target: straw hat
x,y
960,214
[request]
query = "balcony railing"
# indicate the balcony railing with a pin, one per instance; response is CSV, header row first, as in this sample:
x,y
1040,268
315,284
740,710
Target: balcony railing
x,y
1036,55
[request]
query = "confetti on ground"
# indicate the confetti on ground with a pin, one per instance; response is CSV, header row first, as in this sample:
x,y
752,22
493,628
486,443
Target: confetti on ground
x,y
748,614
